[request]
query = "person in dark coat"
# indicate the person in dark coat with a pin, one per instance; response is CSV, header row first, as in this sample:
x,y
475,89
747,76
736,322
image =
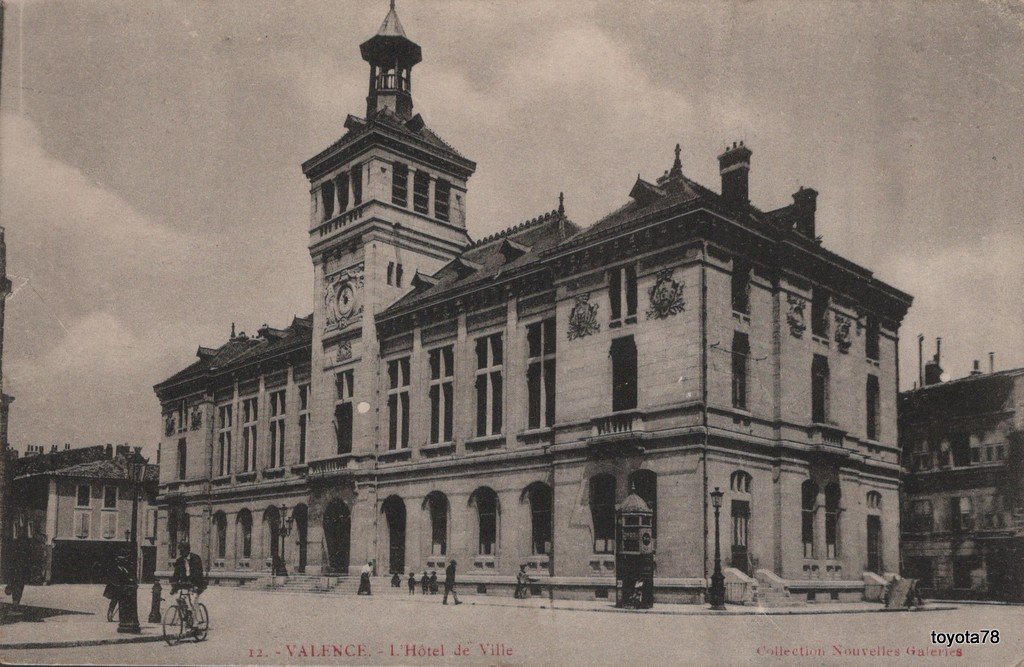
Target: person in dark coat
x,y
17,572
188,571
433,582
412,583
449,583
425,583
118,578
396,581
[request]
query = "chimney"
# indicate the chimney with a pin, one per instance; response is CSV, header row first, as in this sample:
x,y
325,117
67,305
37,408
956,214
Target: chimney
x,y
933,369
977,368
109,450
122,450
734,165
805,203
991,362
920,360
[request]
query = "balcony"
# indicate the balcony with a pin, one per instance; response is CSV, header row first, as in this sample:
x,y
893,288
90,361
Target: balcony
x,y
826,437
619,427
337,465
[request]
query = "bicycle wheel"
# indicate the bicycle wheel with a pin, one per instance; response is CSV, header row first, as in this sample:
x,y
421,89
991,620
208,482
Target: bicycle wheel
x,y
202,623
174,625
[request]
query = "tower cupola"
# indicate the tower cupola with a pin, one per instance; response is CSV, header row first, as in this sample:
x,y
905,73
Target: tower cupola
x,y
392,56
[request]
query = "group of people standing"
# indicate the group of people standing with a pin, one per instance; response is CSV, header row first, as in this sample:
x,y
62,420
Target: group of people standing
x,y
427,583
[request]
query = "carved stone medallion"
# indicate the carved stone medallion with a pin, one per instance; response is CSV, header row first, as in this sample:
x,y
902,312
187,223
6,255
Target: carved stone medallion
x,y
583,318
795,315
344,350
342,298
196,418
666,296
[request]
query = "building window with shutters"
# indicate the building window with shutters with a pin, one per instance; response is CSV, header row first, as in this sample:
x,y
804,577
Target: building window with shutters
x,y
398,403
622,293
400,185
303,420
421,192
740,365
277,414
224,426
624,374
442,197
540,373
108,515
489,360
250,415
344,386
442,394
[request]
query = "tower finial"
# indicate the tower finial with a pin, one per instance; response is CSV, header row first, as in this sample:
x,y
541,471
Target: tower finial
x,y
561,203
677,166
232,329
392,5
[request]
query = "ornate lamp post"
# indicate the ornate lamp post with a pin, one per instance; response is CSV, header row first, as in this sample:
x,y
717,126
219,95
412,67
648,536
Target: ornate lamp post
x,y
716,596
128,620
284,530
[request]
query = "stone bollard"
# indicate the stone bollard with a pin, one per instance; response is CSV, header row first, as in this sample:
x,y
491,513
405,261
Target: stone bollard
x,y
154,610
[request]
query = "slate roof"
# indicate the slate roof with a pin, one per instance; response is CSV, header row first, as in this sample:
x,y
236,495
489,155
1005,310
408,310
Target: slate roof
x,y
109,469
488,261
242,349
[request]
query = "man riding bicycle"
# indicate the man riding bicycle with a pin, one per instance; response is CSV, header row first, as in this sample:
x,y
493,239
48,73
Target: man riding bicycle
x,y
188,572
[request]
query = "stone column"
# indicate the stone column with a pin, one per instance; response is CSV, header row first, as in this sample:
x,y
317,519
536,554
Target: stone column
x,y
819,532
419,395
465,389
514,374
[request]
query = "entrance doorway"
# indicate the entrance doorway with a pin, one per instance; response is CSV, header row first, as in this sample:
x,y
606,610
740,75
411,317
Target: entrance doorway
x,y
301,527
875,544
394,512
337,536
272,529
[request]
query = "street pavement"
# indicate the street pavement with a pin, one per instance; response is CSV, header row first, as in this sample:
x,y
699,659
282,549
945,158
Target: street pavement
x,y
256,627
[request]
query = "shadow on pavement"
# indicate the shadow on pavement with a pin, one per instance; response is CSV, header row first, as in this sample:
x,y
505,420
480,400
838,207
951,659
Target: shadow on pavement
x,y
10,613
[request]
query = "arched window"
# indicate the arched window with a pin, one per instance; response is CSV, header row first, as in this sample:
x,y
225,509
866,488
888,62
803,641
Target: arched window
x,y
874,500
645,484
808,504
832,498
436,504
602,512
220,530
740,481
539,496
486,501
244,529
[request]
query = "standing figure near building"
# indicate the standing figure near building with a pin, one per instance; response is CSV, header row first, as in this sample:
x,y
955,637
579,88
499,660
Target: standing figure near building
x,y
412,583
364,579
449,583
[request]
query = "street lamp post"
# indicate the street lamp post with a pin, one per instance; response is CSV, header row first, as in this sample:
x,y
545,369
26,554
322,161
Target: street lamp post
x,y
716,596
284,529
128,618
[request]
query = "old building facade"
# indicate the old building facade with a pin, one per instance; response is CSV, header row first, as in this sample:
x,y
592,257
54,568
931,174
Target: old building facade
x,y
963,523
493,400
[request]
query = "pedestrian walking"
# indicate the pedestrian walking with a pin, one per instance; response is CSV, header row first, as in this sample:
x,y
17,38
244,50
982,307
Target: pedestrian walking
x,y
449,583
433,582
112,591
412,583
425,583
522,581
17,572
364,579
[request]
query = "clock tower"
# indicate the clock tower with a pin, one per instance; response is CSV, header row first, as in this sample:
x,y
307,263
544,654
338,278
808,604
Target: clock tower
x,y
387,201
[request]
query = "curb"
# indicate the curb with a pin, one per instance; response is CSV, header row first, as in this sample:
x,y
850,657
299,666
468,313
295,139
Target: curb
x,y
767,611
84,642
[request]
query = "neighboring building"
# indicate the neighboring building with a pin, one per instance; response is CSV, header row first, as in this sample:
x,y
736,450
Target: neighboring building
x,y
963,494
72,513
493,400
6,454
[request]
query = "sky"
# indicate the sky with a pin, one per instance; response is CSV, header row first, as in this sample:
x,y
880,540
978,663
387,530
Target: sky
x,y
152,195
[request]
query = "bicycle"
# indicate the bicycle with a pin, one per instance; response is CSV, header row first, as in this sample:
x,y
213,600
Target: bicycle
x,y
180,621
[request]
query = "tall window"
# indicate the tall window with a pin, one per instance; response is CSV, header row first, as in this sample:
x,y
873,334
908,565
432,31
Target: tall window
x,y
819,389
539,496
622,291
873,405
357,184
421,192
327,197
624,371
808,508
343,386
740,357
442,196
819,312
82,496
341,185
832,511
250,414
960,447
244,524
872,338
277,410
540,373
922,518
182,458
437,506
220,525
400,184
110,497
224,425
741,287
303,420
961,513
874,531
442,395
602,512
487,513
739,484
398,403
489,358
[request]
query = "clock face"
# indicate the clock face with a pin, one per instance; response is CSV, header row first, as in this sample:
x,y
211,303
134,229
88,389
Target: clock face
x,y
346,300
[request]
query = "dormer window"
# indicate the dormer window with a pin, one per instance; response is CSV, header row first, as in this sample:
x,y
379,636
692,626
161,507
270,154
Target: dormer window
x,y
511,250
442,196
622,292
421,192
